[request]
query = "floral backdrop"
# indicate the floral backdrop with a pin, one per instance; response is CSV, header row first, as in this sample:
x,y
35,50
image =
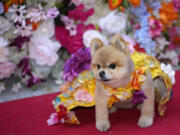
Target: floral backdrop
x,y
41,38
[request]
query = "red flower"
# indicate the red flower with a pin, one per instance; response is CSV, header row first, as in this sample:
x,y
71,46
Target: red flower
x,y
62,114
139,49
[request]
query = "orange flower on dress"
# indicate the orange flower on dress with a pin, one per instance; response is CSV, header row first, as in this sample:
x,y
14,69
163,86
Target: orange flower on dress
x,y
135,3
168,14
138,76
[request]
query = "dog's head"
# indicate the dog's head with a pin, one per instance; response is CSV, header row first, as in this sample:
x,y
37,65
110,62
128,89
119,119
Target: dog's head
x,y
111,64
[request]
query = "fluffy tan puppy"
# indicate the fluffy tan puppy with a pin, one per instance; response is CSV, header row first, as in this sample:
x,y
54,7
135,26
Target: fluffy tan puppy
x,y
113,66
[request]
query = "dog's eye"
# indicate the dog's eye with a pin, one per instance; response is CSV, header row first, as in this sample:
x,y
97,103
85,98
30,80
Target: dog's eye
x,y
98,66
112,66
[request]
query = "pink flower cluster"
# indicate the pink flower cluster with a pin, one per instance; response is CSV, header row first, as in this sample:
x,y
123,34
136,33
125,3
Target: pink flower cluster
x,y
70,25
79,14
176,3
70,35
155,28
72,43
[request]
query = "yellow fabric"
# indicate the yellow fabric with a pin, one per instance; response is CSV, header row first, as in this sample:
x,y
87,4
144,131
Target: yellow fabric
x,y
86,82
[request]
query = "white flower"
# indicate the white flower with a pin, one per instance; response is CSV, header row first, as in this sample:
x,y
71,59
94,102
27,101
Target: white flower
x,y
23,30
101,10
2,87
3,42
52,13
36,14
4,52
172,55
88,3
90,34
46,29
169,71
161,42
70,25
5,25
16,87
115,22
43,50
17,13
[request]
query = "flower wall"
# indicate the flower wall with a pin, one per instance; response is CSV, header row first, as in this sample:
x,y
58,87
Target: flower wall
x,y
39,38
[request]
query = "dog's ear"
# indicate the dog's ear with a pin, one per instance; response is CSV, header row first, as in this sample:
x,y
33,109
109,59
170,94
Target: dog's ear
x,y
95,45
118,42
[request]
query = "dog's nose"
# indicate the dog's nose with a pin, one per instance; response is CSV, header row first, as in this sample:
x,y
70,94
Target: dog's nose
x,y
101,74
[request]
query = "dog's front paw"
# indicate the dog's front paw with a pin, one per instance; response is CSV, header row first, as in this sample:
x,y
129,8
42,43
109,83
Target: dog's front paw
x,y
102,125
145,121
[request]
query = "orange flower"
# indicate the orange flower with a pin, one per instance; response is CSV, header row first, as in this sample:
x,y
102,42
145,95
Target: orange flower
x,y
35,25
149,9
10,2
114,3
7,5
135,3
17,1
168,14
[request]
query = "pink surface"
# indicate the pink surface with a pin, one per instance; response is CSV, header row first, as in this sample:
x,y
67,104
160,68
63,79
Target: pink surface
x,y
28,117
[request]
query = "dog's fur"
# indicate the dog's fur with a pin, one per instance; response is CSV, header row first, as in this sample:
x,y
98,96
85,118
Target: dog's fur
x,y
118,53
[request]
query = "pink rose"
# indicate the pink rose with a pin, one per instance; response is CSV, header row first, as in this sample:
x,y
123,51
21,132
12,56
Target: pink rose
x,y
43,50
53,119
6,69
82,95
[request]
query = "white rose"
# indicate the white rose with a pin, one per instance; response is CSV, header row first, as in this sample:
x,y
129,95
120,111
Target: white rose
x,y
5,25
114,23
172,55
45,29
43,50
3,42
90,34
162,42
169,71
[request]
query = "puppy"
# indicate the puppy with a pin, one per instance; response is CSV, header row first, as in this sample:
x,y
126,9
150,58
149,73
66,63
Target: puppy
x,y
112,65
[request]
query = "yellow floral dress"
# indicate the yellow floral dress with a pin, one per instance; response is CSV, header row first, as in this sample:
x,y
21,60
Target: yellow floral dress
x,y
80,92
